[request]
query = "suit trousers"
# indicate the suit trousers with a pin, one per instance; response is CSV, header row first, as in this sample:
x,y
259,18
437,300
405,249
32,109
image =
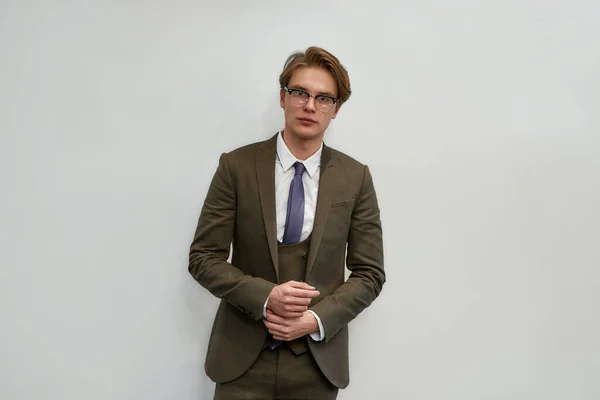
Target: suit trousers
x,y
279,374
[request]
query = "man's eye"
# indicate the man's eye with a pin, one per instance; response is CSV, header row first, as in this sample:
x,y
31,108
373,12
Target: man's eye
x,y
323,99
298,93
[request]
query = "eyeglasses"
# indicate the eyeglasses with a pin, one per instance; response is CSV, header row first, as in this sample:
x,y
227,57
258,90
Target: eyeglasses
x,y
300,98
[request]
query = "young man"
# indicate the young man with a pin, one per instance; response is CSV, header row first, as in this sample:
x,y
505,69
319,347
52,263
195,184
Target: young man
x,y
296,211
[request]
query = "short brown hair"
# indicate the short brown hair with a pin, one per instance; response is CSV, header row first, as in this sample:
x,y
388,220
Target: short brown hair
x,y
321,58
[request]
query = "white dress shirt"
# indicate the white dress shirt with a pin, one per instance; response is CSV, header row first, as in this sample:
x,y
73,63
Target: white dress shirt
x,y
284,174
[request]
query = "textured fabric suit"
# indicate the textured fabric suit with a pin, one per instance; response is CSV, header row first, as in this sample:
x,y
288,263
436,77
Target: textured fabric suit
x,y
239,211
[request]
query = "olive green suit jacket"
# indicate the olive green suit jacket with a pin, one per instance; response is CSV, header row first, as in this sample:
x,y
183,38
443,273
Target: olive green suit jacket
x,y
239,213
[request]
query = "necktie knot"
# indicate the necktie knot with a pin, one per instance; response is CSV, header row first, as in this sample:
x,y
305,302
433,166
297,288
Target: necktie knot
x,y
299,168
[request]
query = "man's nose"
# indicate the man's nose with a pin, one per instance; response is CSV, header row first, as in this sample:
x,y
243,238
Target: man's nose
x,y
310,104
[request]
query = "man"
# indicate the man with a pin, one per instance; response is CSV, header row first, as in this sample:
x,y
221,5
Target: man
x,y
296,211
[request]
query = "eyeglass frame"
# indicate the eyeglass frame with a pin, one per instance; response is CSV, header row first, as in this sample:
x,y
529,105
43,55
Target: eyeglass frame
x,y
335,100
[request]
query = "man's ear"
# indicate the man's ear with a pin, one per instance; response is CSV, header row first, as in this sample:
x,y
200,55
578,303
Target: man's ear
x,y
337,109
282,98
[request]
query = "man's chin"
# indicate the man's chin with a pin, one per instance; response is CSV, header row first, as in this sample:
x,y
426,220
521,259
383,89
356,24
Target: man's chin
x,y
307,134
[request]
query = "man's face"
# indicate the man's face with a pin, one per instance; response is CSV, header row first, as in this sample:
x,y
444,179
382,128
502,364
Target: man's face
x,y
309,121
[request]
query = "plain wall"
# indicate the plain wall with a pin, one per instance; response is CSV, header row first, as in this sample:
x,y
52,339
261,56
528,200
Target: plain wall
x,y
479,121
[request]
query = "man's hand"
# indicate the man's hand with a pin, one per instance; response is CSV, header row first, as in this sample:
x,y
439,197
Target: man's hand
x,y
288,329
291,299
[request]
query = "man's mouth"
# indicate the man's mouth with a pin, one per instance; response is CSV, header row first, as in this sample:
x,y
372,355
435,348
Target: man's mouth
x,y
307,121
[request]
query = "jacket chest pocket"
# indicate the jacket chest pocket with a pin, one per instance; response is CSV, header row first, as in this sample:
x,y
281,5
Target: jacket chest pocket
x,y
342,204
338,221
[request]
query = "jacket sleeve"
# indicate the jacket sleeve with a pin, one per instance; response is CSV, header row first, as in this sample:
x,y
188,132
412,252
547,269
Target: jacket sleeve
x,y
365,261
210,249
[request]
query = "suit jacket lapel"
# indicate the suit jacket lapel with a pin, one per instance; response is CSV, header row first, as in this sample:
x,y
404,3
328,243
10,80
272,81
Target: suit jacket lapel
x,y
265,174
327,185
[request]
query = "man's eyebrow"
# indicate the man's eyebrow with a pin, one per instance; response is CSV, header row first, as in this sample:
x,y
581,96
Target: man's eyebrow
x,y
306,90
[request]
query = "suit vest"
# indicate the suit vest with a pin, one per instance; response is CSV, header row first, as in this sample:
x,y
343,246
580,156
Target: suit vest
x,y
292,267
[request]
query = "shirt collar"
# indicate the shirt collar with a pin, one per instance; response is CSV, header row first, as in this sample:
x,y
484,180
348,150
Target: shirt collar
x,y
287,159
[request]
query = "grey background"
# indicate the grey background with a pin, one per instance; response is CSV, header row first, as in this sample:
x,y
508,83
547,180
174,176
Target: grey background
x,y
479,121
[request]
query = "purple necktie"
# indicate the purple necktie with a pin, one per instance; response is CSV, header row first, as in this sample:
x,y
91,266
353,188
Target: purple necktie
x,y
295,207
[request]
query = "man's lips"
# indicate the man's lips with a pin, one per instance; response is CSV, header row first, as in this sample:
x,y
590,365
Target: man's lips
x,y
307,120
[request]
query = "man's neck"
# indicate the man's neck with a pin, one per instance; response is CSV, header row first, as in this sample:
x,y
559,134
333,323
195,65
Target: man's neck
x,y
300,148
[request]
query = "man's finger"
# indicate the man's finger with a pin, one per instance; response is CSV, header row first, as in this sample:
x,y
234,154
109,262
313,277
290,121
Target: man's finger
x,y
300,285
295,308
289,314
271,325
274,328
308,293
281,318
296,301
274,318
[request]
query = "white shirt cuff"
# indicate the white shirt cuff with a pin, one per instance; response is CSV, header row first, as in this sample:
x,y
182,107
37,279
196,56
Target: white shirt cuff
x,y
318,336
265,307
